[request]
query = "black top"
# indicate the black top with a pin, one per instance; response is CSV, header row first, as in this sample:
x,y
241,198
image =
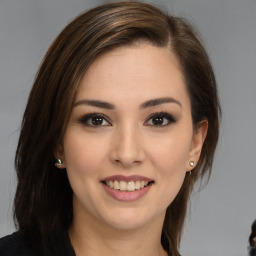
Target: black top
x,y
251,251
18,244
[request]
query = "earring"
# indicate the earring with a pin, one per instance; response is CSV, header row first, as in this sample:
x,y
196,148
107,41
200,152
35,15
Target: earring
x,y
191,163
58,163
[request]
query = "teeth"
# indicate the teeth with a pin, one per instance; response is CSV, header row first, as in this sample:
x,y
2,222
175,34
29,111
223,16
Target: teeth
x,y
130,186
111,184
137,184
127,186
122,185
116,184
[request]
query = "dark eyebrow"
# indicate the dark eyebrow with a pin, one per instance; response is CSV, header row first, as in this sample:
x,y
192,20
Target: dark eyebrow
x,y
147,104
155,102
95,103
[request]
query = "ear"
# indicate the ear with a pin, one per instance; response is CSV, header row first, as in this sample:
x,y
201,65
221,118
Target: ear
x,y
197,144
59,154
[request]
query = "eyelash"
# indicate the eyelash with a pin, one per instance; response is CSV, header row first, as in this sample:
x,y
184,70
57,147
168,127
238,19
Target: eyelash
x,y
170,119
85,118
165,116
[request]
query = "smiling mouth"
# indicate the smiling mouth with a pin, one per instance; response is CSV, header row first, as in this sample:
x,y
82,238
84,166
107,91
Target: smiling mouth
x,y
127,186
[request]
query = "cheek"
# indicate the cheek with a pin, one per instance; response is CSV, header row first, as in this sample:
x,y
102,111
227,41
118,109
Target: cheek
x,y
170,160
83,157
82,152
171,155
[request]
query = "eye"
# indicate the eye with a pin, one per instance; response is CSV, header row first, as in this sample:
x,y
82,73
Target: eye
x,y
94,119
160,119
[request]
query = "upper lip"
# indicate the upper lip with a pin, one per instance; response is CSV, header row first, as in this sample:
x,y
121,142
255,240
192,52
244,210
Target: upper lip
x,y
127,178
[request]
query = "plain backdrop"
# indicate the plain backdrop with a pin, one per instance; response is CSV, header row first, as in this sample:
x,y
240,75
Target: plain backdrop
x,y
221,214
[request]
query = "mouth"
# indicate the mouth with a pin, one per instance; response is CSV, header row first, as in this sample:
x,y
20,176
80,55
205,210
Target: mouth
x,y
127,186
127,183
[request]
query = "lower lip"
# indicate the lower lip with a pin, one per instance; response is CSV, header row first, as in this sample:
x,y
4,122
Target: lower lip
x,y
127,195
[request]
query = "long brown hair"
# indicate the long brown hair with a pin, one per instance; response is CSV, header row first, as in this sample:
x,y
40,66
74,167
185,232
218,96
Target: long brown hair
x,y
43,200
253,234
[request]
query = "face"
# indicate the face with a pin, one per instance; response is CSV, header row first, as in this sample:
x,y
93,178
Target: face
x,y
130,138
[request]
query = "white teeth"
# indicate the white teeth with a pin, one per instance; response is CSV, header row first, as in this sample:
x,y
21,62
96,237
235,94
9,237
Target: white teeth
x,y
137,184
111,184
127,186
116,184
122,185
131,186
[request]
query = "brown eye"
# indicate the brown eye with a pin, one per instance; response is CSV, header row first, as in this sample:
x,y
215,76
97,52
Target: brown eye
x,y
160,119
94,120
97,120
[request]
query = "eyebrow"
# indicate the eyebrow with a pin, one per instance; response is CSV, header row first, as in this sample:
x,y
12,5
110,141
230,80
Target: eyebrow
x,y
159,101
95,103
146,104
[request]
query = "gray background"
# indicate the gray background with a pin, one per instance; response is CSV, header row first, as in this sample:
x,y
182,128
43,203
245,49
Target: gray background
x,y
221,215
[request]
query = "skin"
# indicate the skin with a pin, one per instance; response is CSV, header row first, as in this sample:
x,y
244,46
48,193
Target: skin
x,y
128,143
254,241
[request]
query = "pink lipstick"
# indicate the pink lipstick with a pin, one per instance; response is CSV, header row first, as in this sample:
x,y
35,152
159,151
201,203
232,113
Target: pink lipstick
x,y
127,188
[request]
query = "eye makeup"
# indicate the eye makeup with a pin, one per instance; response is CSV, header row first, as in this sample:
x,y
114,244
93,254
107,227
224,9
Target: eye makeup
x,y
94,120
158,119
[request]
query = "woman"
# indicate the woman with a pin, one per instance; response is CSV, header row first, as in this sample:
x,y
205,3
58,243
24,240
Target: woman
x,y
121,122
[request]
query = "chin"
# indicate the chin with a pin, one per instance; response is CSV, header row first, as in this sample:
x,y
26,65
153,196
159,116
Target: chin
x,y
127,224
130,219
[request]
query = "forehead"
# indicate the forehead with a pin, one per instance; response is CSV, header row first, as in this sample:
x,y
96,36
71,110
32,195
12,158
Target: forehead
x,y
133,72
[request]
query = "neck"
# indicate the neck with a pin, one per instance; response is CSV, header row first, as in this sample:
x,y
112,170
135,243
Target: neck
x,y
94,238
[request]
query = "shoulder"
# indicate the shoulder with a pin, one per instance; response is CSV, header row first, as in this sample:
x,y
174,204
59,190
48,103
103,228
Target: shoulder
x,y
251,251
15,245
18,244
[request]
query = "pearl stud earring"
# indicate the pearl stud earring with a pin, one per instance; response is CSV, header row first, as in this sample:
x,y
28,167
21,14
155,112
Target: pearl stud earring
x,y
191,163
58,163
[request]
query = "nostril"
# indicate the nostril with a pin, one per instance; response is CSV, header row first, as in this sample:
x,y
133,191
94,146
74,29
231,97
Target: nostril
x,y
126,162
127,152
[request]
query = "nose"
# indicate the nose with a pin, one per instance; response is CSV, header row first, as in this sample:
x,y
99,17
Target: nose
x,y
127,147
